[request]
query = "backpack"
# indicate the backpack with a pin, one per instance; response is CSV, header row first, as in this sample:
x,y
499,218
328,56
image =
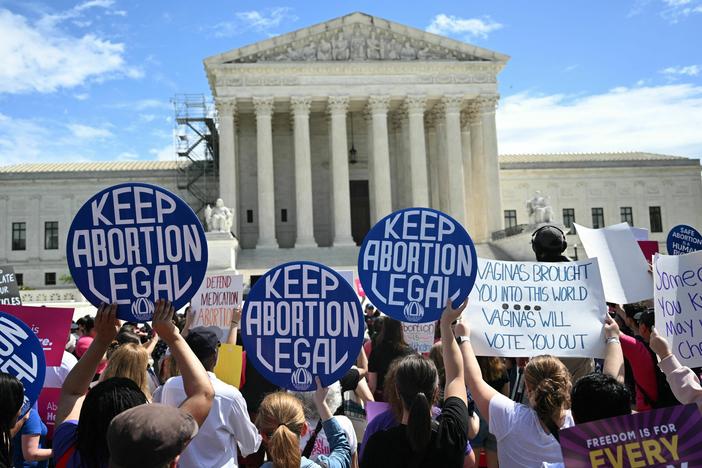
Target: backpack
x,y
666,398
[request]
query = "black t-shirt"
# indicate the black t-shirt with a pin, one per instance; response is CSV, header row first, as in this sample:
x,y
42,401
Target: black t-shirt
x,y
391,448
381,357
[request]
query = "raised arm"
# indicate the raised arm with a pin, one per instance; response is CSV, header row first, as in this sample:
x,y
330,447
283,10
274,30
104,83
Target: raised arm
x,y
614,358
453,361
481,392
196,382
340,450
78,379
683,381
234,326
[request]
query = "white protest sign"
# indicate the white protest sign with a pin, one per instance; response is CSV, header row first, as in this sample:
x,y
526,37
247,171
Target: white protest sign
x,y
348,276
530,308
678,304
624,270
215,301
420,336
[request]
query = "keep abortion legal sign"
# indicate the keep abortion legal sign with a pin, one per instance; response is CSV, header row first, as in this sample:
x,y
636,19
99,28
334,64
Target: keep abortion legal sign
x,y
133,244
413,260
21,355
302,320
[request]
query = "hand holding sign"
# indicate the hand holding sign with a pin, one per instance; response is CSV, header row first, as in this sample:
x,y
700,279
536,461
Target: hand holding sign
x,y
659,345
106,323
163,321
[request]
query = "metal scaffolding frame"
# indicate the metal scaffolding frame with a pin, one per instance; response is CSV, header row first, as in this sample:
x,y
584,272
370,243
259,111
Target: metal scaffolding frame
x,y
197,148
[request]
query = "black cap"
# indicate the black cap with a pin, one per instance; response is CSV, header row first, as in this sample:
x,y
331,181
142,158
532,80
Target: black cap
x,y
647,317
204,341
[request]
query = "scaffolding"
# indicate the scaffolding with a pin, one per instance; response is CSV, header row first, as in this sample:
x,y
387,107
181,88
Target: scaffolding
x,y
197,148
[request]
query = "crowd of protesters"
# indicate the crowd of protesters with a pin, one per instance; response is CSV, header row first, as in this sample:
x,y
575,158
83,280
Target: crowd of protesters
x,y
147,396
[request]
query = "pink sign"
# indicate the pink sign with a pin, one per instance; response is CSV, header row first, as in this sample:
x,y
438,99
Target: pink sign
x,y
47,404
51,325
649,248
359,287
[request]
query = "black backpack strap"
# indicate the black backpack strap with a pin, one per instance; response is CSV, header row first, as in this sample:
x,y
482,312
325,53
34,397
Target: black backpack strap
x,y
307,451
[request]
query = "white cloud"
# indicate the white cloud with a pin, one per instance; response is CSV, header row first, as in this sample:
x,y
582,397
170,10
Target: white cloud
x,y
675,10
81,96
86,132
689,70
663,119
261,21
127,156
41,57
449,25
166,153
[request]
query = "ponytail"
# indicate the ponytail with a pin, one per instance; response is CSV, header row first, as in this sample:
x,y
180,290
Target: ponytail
x,y
284,448
550,385
419,423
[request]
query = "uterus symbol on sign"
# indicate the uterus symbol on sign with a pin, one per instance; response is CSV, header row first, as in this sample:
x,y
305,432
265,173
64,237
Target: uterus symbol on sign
x,y
413,311
143,308
301,379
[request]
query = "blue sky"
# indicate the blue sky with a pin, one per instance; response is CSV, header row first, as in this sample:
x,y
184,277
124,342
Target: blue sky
x,y
93,79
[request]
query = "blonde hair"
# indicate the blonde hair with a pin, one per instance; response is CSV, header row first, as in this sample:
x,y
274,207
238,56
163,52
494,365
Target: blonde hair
x,y
130,361
549,381
282,418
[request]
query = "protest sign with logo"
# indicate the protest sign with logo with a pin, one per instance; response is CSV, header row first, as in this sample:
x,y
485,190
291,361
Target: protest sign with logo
x,y
133,244
624,270
22,357
230,362
413,260
47,405
529,308
302,320
215,301
420,336
678,304
51,325
683,239
667,437
9,291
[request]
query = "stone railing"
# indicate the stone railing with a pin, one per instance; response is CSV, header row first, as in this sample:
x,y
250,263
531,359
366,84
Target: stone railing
x,y
510,231
51,295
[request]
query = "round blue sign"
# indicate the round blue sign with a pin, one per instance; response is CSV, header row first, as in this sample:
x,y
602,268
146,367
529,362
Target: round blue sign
x,y
302,320
683,239
413,260
21,355
133,244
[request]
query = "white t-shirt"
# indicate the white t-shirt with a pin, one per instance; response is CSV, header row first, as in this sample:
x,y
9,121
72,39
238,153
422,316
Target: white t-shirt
x,y
55,375
521,441
321,444
227,425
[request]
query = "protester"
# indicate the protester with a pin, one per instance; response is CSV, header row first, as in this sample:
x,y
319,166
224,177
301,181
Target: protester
x,y
389,345
227,428
11,399
494,372
418,441
56,375
29,444
86,334
130,361
281,420
683,381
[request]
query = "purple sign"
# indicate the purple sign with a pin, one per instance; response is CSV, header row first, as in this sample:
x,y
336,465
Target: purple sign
x,y
669,437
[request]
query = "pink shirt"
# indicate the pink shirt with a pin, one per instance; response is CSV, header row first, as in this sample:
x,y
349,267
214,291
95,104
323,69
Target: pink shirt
x,y
643,368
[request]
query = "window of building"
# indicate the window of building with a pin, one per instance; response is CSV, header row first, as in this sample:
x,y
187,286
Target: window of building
x,y
20,279
283,215
51,236
627,215
50,279
249,216
569,219
598,218
655,218
510,218
19,236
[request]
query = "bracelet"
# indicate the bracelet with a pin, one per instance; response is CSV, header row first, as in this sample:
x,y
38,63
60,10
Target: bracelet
x,y
462,339
613,339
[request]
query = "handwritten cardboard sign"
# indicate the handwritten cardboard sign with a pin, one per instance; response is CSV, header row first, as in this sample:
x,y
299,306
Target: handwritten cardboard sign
x,y
530,308
133,244
9,291
678,304
667,437
215,301
420,336
51,325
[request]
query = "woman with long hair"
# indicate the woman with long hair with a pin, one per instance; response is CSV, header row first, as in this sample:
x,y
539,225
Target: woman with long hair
x,y
11,399
281,420
130,361
419,441
494,371
389,345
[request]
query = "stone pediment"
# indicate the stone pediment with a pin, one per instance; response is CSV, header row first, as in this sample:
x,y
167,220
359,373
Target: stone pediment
x,y
357,37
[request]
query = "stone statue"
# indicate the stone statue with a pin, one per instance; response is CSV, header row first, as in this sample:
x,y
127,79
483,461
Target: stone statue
x,y
341,47
408,52
220,218
358,46
324,50
309,52
392,52
294,54
373,45
540,211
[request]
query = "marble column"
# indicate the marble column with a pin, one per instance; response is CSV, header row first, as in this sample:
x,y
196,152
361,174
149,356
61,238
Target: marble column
x,y
378,106
441,159
300,106
454,157
432,160
417,151
263,106
337,107
495,216
470,199
478,174
228,183
6,230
